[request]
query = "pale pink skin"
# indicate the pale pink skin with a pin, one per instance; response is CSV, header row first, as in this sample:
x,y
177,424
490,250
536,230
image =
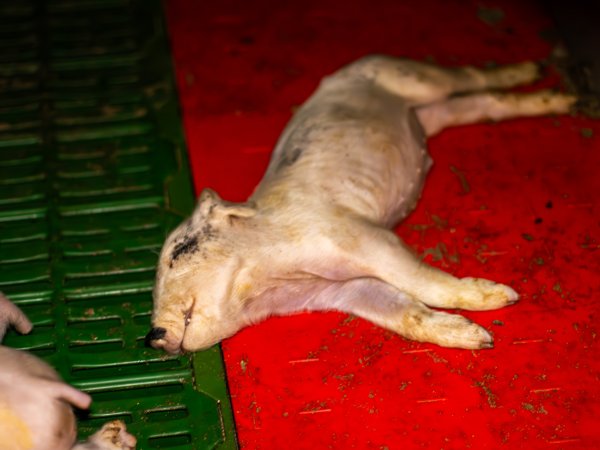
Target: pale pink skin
x,y
33,394
316,232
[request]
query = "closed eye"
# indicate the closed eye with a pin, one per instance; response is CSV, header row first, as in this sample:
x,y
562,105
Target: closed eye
x,y
187,316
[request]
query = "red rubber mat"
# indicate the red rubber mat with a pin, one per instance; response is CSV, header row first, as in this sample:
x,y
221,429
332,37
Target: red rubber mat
x,y
516,202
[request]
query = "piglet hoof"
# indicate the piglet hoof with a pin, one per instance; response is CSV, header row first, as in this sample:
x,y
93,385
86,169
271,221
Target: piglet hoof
x,y
478,294
114,436
455,331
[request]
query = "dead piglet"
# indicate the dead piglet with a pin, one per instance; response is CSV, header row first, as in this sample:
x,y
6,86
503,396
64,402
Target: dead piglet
x,y
317,233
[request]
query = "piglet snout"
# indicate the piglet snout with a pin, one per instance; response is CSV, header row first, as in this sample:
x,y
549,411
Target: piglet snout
x,y
163,339
155,334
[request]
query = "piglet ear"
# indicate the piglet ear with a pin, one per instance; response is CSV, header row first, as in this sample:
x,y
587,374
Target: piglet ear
x,y
212,208
208,201
67,393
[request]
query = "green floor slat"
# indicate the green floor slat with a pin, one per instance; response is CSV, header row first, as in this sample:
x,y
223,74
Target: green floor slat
x,y
93,175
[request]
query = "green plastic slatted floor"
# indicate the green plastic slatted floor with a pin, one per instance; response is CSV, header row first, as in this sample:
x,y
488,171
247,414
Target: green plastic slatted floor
x,y
93,174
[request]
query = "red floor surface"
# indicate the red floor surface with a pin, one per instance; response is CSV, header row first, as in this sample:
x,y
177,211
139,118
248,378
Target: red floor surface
x,y
516,202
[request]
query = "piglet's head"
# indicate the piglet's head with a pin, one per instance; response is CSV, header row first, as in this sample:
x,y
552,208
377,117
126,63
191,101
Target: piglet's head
x,y
197,269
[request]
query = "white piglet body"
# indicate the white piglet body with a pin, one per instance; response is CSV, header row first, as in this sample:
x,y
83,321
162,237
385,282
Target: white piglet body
x,y
364,152
315,234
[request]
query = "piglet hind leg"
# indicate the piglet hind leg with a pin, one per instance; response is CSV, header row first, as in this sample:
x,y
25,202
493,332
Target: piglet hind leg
x,y
491,106
397,311
423,83
112,436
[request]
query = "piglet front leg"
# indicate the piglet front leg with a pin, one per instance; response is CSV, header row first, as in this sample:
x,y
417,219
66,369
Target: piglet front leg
x,y
397,311
112,436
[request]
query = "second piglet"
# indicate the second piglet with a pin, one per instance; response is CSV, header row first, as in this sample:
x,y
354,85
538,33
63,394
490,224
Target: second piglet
x,y
36,405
